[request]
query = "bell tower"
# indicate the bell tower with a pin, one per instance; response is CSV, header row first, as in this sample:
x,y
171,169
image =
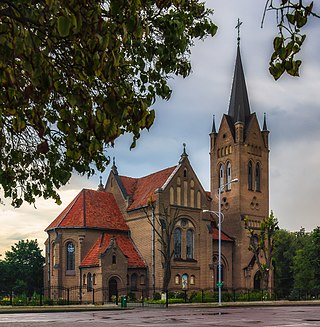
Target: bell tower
x,y
240,149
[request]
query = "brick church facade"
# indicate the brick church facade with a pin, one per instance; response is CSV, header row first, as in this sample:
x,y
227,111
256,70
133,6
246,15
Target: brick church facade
x,y
104,239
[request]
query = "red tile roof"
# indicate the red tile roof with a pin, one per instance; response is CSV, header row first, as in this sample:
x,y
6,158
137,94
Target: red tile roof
x,y
140,188
96,209
125,244
224,237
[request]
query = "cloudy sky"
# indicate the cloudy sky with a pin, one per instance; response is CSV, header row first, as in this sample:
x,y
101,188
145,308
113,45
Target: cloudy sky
x,y
293,115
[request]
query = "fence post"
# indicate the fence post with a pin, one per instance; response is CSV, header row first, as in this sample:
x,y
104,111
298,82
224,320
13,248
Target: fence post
x,y
202,296
11,297
92,295
68,296
142,295
117,302
167,298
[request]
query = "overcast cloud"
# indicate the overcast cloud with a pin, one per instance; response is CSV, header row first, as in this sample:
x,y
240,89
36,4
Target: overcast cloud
x,y
293,114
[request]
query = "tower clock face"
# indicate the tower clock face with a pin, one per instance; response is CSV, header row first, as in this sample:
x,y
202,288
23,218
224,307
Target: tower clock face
x,y
70,248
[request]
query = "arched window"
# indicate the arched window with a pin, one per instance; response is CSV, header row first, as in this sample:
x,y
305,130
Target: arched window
x,y
184,281
177,243
53,254
221,175
70,256
257,177
94,279
84,279
250,176
190,241
192,280
228,186
89,282
142,280
177,279
134,279
114,259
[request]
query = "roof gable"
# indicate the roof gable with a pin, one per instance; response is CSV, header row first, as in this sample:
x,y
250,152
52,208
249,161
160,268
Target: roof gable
x,y
139,189
95,209
125,244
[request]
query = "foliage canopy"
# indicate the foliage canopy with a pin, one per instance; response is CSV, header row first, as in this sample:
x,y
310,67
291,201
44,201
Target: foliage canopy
x,y
75,75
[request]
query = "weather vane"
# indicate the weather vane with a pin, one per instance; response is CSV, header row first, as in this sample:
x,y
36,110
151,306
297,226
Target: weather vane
x,y
238,27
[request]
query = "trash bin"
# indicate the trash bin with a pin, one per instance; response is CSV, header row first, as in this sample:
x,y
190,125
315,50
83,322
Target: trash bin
x,y
123,301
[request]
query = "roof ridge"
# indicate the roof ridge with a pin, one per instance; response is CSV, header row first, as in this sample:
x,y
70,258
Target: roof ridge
x,y
156,172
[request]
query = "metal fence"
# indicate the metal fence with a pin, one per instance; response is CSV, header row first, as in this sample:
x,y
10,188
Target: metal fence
x,y
140,297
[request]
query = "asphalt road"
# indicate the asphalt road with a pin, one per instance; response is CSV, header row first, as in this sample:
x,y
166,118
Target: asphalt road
x,y
174,317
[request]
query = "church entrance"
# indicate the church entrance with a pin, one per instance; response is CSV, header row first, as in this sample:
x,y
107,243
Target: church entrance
x,y
257,281
113,288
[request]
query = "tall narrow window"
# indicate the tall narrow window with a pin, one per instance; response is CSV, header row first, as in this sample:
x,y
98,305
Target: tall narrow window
x,y
257,177
221,175
228,186
177,243
250,176
189,248
89,282
70,256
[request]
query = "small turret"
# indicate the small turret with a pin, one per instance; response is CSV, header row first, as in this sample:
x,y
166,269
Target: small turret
x,y
265,132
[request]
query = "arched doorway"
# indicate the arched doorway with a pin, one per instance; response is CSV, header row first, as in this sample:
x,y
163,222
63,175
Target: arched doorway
x,y
257,281
113,288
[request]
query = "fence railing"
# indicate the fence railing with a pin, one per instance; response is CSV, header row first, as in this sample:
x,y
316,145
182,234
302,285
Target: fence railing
x,y
140,297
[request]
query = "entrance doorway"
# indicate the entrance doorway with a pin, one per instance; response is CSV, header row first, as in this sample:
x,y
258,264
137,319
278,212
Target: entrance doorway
x,y
113,288
257,281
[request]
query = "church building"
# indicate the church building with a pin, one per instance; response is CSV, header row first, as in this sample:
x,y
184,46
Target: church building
x,y
118,238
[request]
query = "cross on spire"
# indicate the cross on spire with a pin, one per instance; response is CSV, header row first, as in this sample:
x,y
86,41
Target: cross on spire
x,y
238,27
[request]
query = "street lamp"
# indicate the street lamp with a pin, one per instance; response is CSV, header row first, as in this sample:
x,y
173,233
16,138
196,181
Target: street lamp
x,y
220,189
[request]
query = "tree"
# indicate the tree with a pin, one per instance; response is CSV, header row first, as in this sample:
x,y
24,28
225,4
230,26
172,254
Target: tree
x,y
163,226
262,245
76,74
24,267
291,17
285,247
307,262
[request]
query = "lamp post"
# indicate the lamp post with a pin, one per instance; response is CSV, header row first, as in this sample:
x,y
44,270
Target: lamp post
x,y
220,189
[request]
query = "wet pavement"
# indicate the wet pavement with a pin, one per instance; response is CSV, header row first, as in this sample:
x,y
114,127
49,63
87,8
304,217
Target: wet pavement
x,y
290,316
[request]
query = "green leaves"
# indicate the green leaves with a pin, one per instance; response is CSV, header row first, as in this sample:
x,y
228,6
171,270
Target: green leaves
x,y
63,26
76,75
291,17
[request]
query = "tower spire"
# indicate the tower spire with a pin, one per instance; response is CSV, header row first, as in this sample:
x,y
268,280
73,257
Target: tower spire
x,y
239,108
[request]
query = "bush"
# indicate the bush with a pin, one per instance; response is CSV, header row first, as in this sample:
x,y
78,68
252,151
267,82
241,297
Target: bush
x,y
157,296
132,297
